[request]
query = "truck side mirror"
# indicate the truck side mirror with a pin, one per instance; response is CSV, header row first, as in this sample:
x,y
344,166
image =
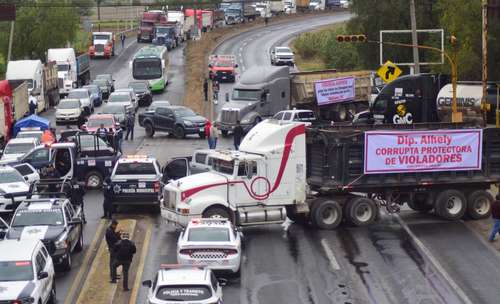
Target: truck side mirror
x,y
227,97
267,97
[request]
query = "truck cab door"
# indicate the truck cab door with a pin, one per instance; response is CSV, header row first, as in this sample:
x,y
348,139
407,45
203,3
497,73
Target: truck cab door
x,y
38,158
249,187
64,160
4,227
175,169
380,110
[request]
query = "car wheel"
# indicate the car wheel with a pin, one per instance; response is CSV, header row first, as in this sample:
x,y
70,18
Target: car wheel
x,y
179,132
79,245
67,263
93,180
150,131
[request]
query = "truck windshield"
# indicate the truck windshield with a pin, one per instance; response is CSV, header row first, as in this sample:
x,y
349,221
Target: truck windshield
x,y
232,11
224,63
16,271
18,148
247,94
163,30
184,112
38,217
147,24
148,68
100,37
223,166
63,67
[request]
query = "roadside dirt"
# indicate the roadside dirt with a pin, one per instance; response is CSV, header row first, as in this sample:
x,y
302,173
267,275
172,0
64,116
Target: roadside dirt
x,y
197,52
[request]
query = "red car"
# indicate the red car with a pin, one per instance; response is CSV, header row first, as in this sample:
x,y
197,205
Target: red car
x,y
95,120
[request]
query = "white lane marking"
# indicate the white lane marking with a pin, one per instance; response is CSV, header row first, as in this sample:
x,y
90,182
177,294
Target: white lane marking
x,y
329,254
460,292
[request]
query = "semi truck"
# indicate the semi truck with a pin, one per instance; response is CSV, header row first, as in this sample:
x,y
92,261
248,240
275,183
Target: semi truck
x,y
185,28
103,45
323,175
302,5
73,70
41,79
13,106
148,21
263,91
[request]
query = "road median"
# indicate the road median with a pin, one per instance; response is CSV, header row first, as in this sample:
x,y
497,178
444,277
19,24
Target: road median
x,y
97,288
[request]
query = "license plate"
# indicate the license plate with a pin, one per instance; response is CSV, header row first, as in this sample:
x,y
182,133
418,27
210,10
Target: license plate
x,y
141,185
202,129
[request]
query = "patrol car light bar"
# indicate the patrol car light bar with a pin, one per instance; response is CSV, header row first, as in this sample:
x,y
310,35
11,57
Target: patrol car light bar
x,y
135,156
208,220
177,266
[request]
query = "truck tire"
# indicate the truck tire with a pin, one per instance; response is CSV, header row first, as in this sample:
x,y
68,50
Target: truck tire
x,y
361,211
479,204
422,202
93,180
179,132
298,218
53,294
451,204
67,263
79,245
217,212
150,130
326,214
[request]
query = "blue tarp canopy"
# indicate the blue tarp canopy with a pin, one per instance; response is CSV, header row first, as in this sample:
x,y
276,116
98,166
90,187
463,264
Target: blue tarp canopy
x,y
32,121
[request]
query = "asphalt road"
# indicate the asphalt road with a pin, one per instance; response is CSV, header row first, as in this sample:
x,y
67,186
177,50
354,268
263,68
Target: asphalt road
x,y
291,263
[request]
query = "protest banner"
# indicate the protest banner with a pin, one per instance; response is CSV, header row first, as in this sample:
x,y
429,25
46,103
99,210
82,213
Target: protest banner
x,y
334,90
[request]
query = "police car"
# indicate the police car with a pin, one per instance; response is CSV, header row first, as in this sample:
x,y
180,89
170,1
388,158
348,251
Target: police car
x,y
175,284
136,180
213,243
15,185
26,273
55,222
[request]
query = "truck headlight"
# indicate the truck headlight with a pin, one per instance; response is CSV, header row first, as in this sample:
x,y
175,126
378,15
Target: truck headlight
x,y
188,123
74,85
245,121
61,244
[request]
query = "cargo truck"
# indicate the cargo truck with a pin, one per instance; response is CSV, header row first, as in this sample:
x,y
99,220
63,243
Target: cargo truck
x,y
302,5
13,106
73,71
323,175
148,21
103,45
263,91
41,79
178,16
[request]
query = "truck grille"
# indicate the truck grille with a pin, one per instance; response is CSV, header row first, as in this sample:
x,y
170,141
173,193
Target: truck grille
x,y
161,40
99,48
169,198
60,82
230,116
51,247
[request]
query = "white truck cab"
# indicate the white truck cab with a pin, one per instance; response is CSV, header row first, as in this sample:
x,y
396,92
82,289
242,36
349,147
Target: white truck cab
x,y
250,186
66,68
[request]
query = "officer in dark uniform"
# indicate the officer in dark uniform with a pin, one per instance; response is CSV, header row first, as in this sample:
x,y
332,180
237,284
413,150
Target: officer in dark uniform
x,y
107,204
112,238
124,252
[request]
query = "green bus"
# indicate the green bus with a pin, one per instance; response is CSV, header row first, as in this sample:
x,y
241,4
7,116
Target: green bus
x,y
150,63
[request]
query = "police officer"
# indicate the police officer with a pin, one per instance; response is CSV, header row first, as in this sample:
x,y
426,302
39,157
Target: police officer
x,y
32,103
102,132
112,238
124,250
107,204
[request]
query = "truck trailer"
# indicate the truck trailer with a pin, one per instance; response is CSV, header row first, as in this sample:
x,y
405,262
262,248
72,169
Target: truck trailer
x,y
73,70
323,175
13,106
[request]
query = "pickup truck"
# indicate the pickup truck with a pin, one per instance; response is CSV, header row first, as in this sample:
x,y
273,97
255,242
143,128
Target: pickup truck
x,y
199,162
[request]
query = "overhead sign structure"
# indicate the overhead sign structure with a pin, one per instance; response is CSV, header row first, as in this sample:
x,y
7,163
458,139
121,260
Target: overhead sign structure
x,y
335,90
422,151
389,72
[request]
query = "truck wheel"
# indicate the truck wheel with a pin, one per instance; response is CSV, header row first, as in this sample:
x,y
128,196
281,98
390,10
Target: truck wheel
x,y
326,214
225,133
150,131
361,211
179,132
67,263
79,245
451,204
298,218
216,212
422,202
93,180
479,204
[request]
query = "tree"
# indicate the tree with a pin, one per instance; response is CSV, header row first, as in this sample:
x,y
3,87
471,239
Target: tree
x,y
84,7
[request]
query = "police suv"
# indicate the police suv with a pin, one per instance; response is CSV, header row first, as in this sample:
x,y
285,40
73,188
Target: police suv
x,y
26,273
55,222
15,185
175,284
136,180
213,243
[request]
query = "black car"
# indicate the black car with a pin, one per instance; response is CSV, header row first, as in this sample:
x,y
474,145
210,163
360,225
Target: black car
x,y
177,120
55,221
142,92
105,87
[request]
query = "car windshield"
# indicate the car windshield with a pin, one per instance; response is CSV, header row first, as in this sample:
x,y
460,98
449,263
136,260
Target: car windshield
x,y
208,234
136,168
38,217
114,109
104,76
119,98
100,37
247,94
138,86
17,148
184,293
37,135
78,94
10,177
100,82
184,112
69,104
92,89
223,166
96,122
16,271
149,68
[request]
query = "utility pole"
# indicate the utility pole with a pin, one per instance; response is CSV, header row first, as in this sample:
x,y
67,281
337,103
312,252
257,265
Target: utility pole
x,y
99,15
11,38
414,37
485,56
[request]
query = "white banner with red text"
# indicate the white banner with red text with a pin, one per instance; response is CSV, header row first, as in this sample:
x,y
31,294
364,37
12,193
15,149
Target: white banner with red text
x,y
422,151
335,90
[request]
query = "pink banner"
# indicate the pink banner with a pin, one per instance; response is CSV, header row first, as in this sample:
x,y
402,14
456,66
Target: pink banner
x,y
415,151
